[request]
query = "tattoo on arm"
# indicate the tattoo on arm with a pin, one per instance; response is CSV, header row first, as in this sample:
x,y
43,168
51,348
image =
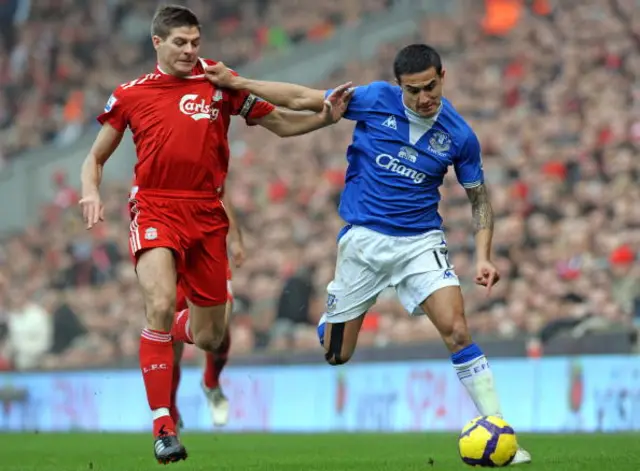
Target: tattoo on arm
x,y
481,208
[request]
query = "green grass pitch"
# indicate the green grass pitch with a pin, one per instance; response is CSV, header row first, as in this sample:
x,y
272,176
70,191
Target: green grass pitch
x,y
330,452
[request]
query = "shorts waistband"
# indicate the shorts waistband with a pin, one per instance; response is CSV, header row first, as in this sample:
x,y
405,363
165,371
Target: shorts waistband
x,y
174,194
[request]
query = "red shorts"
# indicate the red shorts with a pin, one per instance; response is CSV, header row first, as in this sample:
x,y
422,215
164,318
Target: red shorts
x,y
181,299
194,226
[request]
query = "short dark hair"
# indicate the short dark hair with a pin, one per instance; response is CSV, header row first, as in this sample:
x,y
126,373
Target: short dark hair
x,y
416,58
168,17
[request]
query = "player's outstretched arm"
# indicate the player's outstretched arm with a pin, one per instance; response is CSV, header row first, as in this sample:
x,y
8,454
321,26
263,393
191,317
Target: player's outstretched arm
x,y
287,95
486,273
105,144
286,123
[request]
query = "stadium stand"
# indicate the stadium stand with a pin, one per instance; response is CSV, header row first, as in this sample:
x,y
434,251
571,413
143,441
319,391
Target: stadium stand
x,y
60,58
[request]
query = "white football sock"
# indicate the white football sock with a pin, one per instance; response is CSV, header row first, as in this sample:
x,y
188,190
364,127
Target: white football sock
x,y
477,378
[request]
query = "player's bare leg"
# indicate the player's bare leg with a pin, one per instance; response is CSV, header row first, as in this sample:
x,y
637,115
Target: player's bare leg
x,y
214,364
203,330
339,339
178,350
445,308
208,325
157,278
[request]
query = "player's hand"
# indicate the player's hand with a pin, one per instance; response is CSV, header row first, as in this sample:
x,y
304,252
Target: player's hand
x,y
335,106
92,209
238,255
221,76
486,275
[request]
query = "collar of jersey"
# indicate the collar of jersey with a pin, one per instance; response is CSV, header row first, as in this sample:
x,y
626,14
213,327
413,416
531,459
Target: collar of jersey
x,y
416,118
202,63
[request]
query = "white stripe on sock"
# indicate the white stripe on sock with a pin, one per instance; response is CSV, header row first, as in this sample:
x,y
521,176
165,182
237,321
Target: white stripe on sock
x,y
161,412
156,336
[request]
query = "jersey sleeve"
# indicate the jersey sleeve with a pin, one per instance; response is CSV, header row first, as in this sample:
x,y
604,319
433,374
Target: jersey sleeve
x,y
249,106
363,100
468,164
114,112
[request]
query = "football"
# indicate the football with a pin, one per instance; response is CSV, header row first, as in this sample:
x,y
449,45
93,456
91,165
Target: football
x,y
488,442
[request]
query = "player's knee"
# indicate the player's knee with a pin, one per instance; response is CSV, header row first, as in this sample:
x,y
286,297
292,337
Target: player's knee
x,y
209,340
337,351
206,341
339,358
160,309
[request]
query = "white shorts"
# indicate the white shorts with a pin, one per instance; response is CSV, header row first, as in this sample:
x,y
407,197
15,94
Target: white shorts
x,y
368,262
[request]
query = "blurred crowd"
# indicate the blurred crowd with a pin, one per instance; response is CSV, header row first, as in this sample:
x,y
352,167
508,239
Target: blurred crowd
x,y
551,91
60,58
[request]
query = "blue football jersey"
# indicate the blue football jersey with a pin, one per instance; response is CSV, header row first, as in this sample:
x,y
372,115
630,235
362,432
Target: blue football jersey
x,y
397,161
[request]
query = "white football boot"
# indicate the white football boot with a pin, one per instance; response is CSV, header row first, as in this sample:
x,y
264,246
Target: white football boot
x,y
218,405
522,457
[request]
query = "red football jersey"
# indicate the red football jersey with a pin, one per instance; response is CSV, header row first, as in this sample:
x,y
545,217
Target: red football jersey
x,y
180,127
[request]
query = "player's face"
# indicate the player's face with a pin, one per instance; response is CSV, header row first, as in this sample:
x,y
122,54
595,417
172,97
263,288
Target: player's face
x,y
422,92
178,53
